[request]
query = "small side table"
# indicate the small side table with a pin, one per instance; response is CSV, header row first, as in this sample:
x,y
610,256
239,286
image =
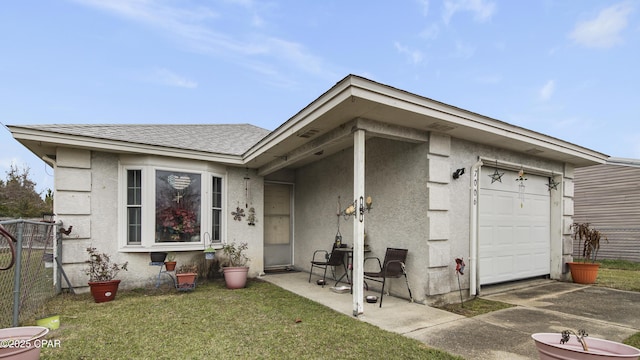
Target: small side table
x,y
163,270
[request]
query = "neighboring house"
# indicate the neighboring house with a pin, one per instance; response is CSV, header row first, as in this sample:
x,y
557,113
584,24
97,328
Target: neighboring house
x,y
118,185
608,197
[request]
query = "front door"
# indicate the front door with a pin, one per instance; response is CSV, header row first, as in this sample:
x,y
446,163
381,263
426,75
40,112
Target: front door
x,y
278,247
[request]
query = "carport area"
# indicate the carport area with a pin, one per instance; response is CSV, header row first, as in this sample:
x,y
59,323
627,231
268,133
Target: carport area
x,y
541,306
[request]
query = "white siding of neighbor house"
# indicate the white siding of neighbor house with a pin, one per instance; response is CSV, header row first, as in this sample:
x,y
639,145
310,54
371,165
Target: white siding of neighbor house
x,y
608,197
416,205
86,197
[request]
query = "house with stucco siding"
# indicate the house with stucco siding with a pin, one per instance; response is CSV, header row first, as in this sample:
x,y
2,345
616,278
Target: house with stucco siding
x,y
506,211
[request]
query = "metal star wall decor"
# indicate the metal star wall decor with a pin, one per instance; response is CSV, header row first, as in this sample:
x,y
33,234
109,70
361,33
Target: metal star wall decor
x,y
553,184
238,214
496,176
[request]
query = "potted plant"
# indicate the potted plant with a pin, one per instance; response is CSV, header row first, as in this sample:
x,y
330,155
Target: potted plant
x,y
563,346
170,262
102,272
589,238
233,263
186,276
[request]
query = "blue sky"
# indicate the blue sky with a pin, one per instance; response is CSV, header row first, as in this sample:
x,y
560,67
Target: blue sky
x,y
567,68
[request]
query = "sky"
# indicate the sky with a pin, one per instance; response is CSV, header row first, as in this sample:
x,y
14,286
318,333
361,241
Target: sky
x,y
568,69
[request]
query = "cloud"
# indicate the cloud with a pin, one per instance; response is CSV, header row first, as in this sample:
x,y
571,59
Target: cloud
x,y
424,4
167,77
194,27
547,90
414,56
431,32
603,31
482,10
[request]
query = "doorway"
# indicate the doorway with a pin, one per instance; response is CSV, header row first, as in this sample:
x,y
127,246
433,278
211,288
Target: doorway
x,y
278,224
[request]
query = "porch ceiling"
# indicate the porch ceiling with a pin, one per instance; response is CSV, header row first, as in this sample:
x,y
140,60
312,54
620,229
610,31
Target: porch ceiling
x,y
357,98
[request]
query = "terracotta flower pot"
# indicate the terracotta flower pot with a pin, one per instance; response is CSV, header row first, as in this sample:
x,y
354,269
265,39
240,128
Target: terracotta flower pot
x,y
583,273
549,348
170,265
186,281
235,277
103,291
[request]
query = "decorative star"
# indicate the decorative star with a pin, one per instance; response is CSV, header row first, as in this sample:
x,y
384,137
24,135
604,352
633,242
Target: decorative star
x,y
552,184
238,214
496,176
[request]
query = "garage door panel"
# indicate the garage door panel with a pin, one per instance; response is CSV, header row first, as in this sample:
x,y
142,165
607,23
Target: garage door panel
x,y
514,235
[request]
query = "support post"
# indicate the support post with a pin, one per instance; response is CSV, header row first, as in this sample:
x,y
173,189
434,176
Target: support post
x,y
358,221
17,274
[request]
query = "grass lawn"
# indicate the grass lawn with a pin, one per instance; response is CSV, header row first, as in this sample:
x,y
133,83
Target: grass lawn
x,y
261,321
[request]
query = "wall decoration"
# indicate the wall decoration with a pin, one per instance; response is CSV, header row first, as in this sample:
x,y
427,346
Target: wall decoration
x,y
553,184
496,176
251,219
238,214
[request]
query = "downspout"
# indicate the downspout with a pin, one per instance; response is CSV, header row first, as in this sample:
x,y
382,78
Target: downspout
x,y
473,229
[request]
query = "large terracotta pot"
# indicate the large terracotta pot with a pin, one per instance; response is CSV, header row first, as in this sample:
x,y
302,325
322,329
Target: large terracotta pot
x,y
186,281
27,340
584,273
549,348
104,291
235,277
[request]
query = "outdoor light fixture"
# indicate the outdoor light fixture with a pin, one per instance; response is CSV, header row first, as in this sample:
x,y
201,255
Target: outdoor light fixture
x,y
458,173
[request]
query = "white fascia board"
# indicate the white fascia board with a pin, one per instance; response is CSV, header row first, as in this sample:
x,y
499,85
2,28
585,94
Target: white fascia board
x,y
414,103
120,147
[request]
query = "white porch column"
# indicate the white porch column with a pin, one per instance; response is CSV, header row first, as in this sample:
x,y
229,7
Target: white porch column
x,y
358,222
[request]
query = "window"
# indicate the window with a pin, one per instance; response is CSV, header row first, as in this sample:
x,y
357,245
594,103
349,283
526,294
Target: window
x,y
170,209
134,206
178,207
216,210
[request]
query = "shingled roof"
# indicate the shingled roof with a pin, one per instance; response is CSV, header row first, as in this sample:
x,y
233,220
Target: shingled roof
x,y
231,139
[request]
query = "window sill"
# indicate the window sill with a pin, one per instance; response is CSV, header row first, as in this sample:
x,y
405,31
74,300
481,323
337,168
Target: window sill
x,y
168,247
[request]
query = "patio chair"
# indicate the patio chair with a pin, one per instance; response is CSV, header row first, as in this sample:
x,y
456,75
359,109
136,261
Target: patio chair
x,y
392,267
333,259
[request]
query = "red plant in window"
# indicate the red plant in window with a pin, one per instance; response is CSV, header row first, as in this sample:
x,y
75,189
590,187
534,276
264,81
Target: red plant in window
x,y
179,220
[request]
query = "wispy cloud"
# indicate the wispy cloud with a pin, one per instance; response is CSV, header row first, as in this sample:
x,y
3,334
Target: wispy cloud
x,y
604,30
414,56
482,10
547,90
194,27
424,4
167,77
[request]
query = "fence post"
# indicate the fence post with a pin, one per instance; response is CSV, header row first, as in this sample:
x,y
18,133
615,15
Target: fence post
x,y
17,275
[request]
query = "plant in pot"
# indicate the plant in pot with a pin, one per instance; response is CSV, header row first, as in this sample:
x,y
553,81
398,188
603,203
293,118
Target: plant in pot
x,y
586,272
186,277
564,346
233,263
170,262
102,272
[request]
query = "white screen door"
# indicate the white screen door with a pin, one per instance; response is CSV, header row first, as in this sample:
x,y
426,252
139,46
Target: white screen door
x,y
277,225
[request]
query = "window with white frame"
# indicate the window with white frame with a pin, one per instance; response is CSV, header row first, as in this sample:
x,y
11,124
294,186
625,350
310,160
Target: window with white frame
x,y
167,207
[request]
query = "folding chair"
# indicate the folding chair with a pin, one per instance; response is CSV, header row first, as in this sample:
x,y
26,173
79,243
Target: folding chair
x,y
392,267
335,258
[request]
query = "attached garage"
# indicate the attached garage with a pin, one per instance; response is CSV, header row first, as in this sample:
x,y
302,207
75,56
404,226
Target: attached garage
x,y
514,227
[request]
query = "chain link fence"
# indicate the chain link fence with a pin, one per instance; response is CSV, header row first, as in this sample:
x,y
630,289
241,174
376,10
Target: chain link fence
x,y
29,283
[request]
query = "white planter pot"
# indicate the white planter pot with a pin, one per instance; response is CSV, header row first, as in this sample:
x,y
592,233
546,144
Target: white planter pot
x,y
549,348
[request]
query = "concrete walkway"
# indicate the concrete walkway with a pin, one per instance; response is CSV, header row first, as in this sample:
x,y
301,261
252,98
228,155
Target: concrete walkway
x,y
541,306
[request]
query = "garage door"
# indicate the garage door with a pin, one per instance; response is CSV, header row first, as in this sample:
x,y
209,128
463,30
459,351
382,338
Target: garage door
x,y
514,229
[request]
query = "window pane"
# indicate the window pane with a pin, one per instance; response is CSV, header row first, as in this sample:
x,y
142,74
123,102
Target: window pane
x,y
134,187
178,202
215,230
134,215
217,192
134,206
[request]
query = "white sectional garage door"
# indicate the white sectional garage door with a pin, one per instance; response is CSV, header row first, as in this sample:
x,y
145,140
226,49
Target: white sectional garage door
x,y
514,234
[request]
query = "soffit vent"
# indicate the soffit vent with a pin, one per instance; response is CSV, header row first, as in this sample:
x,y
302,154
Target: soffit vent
x,y
308,133
533,151
439,126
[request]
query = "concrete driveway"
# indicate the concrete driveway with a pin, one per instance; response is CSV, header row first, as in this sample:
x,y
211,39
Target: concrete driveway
x,y
541,306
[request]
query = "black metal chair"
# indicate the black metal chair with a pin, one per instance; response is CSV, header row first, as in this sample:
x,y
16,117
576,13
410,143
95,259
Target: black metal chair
x,y
335,258
392,267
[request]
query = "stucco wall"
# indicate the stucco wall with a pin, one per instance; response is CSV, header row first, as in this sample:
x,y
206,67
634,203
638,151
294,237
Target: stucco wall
x,y
87,199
